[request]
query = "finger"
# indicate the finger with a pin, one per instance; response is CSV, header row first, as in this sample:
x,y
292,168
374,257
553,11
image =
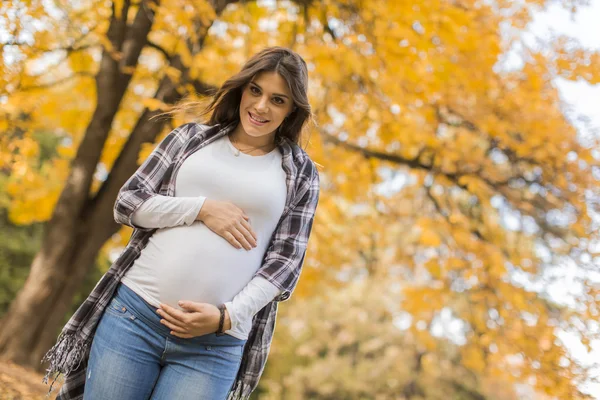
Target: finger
x,y
191,306
241,239
232,240
173,321
247,235
246,225
176,314
174,328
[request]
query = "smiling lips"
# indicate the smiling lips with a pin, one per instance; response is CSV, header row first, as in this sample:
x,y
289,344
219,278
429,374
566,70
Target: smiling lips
x,y
257,120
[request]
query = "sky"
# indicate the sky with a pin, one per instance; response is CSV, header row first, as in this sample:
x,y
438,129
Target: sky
x,y
583,26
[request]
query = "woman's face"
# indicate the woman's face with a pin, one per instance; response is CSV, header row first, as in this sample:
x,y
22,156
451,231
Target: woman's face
x,y
266,101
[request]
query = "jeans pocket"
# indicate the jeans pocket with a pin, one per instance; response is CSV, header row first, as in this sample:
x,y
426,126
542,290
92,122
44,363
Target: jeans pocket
x,y
118,309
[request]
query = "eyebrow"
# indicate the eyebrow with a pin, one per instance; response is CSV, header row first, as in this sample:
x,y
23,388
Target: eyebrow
x,y
275,94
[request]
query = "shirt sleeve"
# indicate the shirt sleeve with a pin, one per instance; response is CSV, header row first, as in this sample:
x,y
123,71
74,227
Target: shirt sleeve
x,y
254,296
147,179
165,211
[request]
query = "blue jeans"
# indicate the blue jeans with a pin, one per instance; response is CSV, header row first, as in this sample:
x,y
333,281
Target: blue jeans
x,y
133,357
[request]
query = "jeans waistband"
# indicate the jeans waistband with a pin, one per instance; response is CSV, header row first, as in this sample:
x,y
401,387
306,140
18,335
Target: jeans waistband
x,y
147,313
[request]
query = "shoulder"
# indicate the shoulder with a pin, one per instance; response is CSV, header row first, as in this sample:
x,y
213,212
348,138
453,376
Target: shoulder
x,y
307,169
192,129
307,175
299,157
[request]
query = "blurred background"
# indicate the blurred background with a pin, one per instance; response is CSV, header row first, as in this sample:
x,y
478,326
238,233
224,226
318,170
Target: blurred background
x,y
455,251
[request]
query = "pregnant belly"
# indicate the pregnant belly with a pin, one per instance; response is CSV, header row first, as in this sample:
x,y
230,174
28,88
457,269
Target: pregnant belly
x,y
193,263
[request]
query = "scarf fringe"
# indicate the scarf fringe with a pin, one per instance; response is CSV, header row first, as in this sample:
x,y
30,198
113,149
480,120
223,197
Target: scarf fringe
x,y
240,391
65,356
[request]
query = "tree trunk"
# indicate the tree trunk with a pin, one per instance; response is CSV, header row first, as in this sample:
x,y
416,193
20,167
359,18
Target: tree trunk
x,y
80,225
32,323
71,243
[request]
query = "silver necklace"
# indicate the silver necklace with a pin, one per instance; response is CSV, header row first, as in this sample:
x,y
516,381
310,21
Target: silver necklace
x,y
237,151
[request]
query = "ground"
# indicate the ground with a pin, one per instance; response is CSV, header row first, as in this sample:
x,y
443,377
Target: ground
x,y
18,383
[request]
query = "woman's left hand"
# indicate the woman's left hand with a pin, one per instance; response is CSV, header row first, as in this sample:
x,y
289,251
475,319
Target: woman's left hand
x,y
197,319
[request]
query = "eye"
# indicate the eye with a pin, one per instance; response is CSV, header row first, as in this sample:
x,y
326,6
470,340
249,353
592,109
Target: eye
x,y
278,100
254,90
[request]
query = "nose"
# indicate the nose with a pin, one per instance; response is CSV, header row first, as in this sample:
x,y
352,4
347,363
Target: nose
x,y
262,104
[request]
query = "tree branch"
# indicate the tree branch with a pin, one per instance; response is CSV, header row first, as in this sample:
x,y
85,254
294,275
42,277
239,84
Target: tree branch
x,y
58,82
146,129
368,153
161,50
111,83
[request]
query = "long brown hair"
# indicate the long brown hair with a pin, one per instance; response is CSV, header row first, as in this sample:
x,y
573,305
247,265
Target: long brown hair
x,y
225,104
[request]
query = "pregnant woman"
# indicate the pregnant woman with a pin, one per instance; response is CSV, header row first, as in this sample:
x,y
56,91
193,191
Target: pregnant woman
x,y
222,213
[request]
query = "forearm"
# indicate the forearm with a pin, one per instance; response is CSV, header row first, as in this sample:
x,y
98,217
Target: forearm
x,y
145,183
165,211
251,299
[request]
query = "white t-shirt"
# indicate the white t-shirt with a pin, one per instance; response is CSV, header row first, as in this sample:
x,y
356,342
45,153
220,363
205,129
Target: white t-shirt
x,y
185,260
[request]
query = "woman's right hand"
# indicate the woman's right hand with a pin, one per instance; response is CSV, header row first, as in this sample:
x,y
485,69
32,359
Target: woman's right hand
x,y
228,221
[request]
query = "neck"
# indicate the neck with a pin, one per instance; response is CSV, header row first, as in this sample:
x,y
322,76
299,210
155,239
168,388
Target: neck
x,y
266,142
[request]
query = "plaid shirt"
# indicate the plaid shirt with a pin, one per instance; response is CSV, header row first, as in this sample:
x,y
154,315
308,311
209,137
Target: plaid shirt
x,y
281,265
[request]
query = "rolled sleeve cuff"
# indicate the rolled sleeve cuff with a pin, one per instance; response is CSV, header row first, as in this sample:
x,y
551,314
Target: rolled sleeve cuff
x,y
190,216
232,316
